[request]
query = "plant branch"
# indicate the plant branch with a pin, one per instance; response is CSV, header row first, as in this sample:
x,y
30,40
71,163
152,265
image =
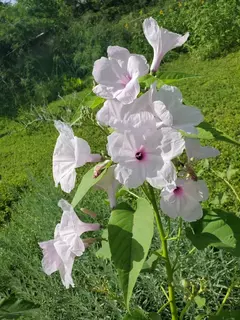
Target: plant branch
x,y
226,297
151,196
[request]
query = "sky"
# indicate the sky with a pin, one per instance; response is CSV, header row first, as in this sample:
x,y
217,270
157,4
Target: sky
x,y
12,1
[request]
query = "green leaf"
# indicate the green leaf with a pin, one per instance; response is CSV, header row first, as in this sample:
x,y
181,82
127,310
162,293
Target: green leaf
x,y
149,79
220,199
171,77
85,185
104,252
136,315
154,316
227,315
92,101
207,132
14,308
206,128
200,301
231,172
151,263
130,235
218,229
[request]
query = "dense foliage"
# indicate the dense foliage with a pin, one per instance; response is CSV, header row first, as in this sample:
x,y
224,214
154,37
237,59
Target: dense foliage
x,y
48,47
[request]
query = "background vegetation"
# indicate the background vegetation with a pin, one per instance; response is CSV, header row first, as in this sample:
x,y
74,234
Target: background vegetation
x,y
46,57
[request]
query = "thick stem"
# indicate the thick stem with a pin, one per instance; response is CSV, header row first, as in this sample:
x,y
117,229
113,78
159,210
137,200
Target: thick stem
x,y
165,255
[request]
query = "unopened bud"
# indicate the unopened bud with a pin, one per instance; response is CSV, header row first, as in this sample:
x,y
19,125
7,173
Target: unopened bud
x,y
99,168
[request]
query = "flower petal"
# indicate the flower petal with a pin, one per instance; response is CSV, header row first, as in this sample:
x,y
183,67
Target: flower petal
x,y
103,72
172,144
119,53
129,93
129,177
110,185
166,176
137,66
161,40
195,150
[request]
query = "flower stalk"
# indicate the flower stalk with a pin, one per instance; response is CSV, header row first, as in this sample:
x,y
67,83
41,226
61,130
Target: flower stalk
x,y
165,255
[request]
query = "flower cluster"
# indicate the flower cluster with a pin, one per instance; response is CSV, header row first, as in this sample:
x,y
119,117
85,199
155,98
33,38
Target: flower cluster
x,y
145,142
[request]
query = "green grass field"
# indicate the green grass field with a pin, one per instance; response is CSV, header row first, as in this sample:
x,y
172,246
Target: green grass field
x,y
29,196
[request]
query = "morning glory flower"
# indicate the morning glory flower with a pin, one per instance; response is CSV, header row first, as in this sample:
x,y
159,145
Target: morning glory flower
x,y
59,253
117,76
161,40
165,105
196,151
170,111
182,199
142,151
70,153
116,115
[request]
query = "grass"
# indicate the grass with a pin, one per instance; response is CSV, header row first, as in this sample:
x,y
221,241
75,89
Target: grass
x,y
97,296
27,144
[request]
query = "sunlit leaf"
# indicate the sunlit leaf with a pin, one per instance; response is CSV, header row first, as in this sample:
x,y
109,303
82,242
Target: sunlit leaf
x,y
218,229
87,182
130,234
200,301
104,252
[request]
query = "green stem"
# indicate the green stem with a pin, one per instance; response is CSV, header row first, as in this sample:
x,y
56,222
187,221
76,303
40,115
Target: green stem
x,y
188,304
226,297
165,255
163,307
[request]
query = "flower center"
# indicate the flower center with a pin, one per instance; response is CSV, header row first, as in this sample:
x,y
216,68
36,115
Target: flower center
x,y
178,191
139,155
125,79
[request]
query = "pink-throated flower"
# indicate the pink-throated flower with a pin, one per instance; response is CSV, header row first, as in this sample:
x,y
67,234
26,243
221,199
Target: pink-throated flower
x,y
142,151
182,199
117,76
59,253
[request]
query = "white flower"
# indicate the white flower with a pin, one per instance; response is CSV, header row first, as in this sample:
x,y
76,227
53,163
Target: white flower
x,y
195,150
170,111
182,199
142,152
59,253
117,75
116,115
70,153
161,40
165,105
109,184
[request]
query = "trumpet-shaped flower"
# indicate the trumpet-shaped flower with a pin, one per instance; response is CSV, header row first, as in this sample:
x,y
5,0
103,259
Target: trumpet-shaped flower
x,y
116,115
165,105
70,153
117,76
182,199
142,152
195,150
170,111
59,253
161,40
109,184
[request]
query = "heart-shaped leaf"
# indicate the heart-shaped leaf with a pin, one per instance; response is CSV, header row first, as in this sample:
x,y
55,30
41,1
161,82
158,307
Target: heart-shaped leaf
x,y
217,228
